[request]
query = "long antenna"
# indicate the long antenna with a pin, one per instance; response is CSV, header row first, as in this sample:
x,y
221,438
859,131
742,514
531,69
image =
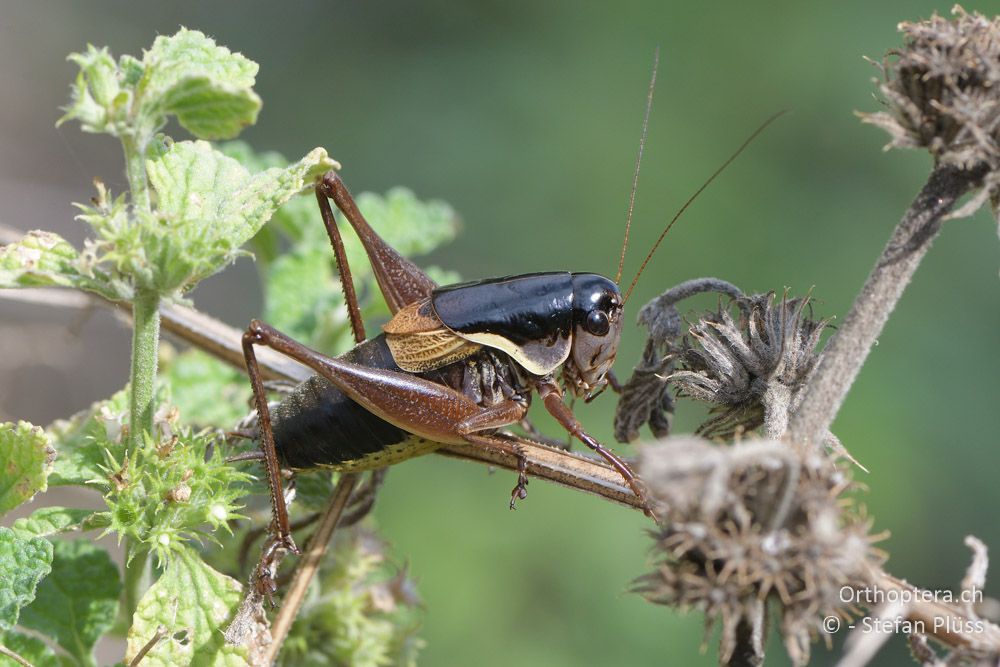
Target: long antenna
x,y
638,161
697,192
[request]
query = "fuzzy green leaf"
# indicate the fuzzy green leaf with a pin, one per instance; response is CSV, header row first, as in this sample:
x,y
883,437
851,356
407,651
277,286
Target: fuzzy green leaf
x,y
97,99
32,649
40,259
82,439
44,259
209,205
23,563
365,613
412,226
208,87
77,602
193,602
26,457
307,302
206,391
55,520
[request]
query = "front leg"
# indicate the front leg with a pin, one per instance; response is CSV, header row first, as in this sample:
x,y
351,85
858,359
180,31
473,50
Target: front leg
x,y
552,398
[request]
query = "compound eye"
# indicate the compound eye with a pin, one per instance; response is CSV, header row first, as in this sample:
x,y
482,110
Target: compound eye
x,y
597,322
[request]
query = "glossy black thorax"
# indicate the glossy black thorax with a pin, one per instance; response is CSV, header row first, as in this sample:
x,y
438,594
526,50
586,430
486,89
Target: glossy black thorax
x,y
522,309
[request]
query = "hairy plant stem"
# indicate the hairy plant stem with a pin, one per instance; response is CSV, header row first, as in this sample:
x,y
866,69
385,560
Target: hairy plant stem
x,y
135,169
145,343
751,637
138,577
848,348
142,374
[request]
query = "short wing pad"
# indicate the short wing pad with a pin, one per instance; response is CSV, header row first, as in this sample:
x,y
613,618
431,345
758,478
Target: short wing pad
x,y
419,341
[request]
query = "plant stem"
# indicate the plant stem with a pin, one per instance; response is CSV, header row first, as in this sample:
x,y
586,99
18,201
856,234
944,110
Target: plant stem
x,y
309,564
135,169
137,580
145,307
751,637
14,656
145,341
145,347
848,348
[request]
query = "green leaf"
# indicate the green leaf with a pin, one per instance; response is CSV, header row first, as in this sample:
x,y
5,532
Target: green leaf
x,y
26,457
40,259
55,520
77,602
31,649
44,259
411,226
364,613
23,563
307,297
209,205
208,87
81,441
193,602
207,391
97,99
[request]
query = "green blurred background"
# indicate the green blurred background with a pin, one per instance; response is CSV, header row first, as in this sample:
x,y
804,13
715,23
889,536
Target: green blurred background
x,y
526,116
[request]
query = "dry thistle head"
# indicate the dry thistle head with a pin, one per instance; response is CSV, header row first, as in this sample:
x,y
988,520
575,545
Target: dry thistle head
x,y
942,90
757,522
749,368
748,359
646,398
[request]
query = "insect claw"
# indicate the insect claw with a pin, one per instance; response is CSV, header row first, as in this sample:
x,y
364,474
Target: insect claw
x,y
286,542
520,491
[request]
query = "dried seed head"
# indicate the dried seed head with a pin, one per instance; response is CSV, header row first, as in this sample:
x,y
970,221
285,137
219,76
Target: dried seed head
x,y
942,90
749,368
756,521
646,398
748,359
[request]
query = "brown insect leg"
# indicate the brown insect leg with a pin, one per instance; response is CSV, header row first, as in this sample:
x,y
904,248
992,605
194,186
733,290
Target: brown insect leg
x,y
400,280
282,539
416,405
505,443
255,455
613,382
502,414
552,398
343,267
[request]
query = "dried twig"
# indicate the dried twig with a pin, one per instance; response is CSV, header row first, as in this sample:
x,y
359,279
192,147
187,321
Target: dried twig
x,y
848,348
308,565
161,632
14,656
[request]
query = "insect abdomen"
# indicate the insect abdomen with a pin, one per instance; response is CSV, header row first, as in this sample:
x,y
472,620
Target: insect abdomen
x,y
318,426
